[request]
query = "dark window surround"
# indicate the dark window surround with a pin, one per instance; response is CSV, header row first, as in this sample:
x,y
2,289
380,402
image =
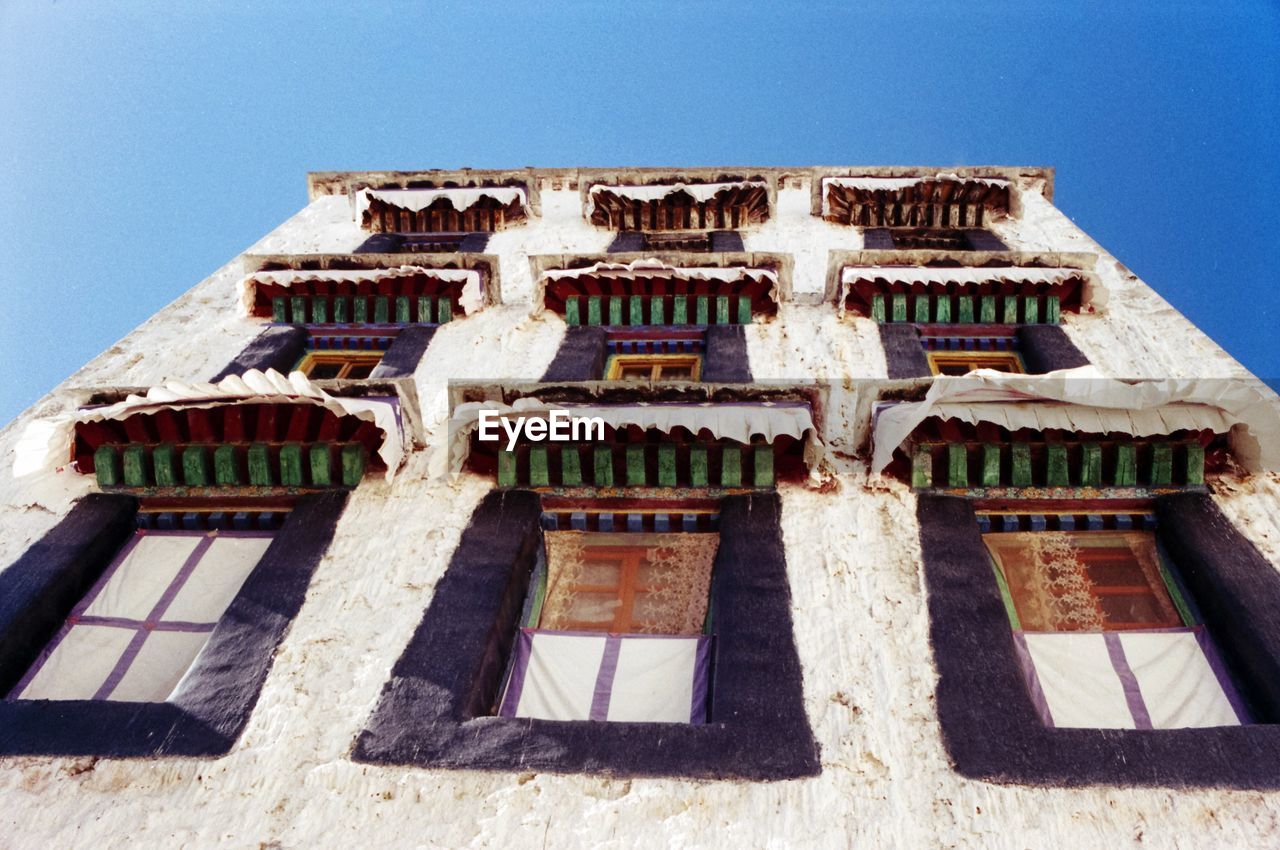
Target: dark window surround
x,y
954,239
703,242
39,589
424,243
281,347
584,351
989,725
436,711
1044,348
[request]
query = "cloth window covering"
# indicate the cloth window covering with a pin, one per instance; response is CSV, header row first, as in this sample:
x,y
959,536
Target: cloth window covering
x,y
139,629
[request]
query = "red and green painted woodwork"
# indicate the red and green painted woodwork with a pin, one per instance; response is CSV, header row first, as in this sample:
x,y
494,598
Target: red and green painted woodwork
x,y
926,308
362,309
301,466
1057,464
724,464
635,310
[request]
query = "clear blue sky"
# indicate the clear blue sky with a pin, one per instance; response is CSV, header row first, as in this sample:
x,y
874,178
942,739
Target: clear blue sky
x,y
144,144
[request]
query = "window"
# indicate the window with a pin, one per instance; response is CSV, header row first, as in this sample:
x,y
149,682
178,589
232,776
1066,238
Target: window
x,y
136,632
346,365
932,239
614,630
654,367
964,362
1106,638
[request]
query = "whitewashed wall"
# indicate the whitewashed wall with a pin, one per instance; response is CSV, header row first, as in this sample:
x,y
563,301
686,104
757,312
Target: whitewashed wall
x,y
858,604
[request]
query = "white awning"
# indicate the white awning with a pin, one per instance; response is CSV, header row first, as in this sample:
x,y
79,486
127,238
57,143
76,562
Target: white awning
x,y
739,422
1086,401
415,200
657,268
1095,294
699,191
46,443
471,299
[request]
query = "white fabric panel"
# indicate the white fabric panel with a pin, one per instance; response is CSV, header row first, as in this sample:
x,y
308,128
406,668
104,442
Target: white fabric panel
x,y
1078,398
141,579
470,300
653,681
1079,681
461,199
80,663
46,443
217,579
1178,686
699,191
731,421
158,667
1095,294
560,681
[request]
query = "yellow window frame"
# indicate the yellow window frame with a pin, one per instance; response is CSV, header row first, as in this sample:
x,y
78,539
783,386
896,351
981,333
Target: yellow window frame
x,y
620,364
1001,361
347,360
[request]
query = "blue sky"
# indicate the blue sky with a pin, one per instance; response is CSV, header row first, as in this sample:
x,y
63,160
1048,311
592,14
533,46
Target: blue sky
x,y
142,145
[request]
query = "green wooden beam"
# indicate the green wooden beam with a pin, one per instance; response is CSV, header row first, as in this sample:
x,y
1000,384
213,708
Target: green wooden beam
x,y
353,462
957,465
570,466
666,465
381,309
602,466
444,310
1031,310
1057,474
225,470
319,309
1052,310
360,309
298,303
341,309
1091,465
260,466
291,465
698,467
731,466
964,309
657,310
1195,463
425,314
615,310
135,466
922,468
1020,465
1162,464
280,309
703,310
990,465
539,468
744,309
1010,310
1126,465
762,466
922,308
571,315
402,309
722,309
987,309
635,466
321,458
594,315
877,307
106,466
195,466
899,307
164,464
506,468
680,310
942,308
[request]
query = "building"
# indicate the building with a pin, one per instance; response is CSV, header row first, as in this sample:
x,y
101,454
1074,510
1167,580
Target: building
x,y
795,590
